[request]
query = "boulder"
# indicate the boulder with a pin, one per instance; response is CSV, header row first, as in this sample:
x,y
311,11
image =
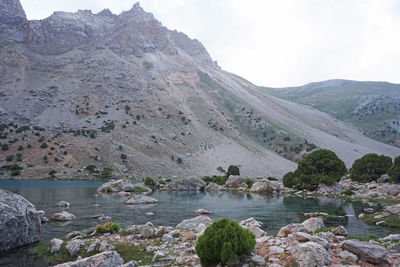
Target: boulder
x,y
62,216
264,186
115,186
340,230
395,209
290,229
235,181
19,221
365,251
202,211
140,199
191,224
213,187
160,231
258,260
74,246
383,179
104,259
63,204
313,224
42,216
186,184
391,237
167,238
104,246
130,264
254,227
55,245
310,254
348,256
200,229
146,230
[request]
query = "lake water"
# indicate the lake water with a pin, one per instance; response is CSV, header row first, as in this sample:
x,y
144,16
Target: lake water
x,y
273,211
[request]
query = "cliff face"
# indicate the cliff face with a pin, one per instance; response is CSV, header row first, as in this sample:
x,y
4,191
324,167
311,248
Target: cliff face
x,y
124,92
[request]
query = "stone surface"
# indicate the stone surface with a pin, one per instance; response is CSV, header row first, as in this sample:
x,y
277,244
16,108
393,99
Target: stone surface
x,y
235,181
258,260
186,184
264,186
394,209
104,259
213,187
105,246
290,229
146,230
74,246
254,226
12,13
202,211
313,224
365,250
340,230
140,199
347,255
63,204
310,254
55,244
19,221
62,216
191,224
115,186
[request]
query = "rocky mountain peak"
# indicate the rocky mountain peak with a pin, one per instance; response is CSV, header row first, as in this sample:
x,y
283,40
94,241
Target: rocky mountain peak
x,y
12,13
106,13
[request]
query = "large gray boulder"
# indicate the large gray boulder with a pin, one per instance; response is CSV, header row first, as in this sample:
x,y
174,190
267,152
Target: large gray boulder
x,y
213,187
186,184
62,216
191,224
104,259
254,226
140,199
290,229
19,221
310,254
235,181
365,250
313,224
115,186
264,186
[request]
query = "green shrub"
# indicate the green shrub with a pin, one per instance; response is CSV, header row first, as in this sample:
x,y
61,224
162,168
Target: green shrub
x,y
394,171
124,156
226,242
149,182
108,227
320,166
43,145
20,148
15,173
106,173
348,192
4,147
91,168
220,180
370,167
249,182
233,170
52,173
270,178
10,158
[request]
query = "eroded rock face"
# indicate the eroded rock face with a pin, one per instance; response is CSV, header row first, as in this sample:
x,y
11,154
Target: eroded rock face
x,y
19,221
104,259
186,184
12,13
365,250
310,254
193,223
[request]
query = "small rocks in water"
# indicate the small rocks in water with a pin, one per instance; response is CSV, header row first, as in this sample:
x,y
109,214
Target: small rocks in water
x,y
140,199
347,255
313,224
202,212
96,206
191,224
42,216
107,258
290,229
63,204
380,222
62,216
365,250
74,246
310,254
340,230
104,246
55,245
149,213
369,210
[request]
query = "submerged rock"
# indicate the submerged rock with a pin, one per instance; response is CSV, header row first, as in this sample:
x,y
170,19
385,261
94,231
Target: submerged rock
x,y
63,204
104,259
365,250
19,221
186,184
62,216
192,224
140,199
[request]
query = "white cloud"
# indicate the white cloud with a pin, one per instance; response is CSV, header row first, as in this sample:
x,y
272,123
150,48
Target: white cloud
x,y
277,43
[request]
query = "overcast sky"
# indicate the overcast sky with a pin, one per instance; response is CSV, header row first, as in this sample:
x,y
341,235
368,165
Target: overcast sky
x,y
276,43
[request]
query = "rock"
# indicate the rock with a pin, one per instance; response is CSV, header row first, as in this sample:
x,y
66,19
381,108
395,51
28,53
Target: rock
x,y
175,233
310,254
191,224
55,244
391,237
235,181
254,227
167,238
365,250
92,246
202,212
258,260
140,199
42,216
313,224
316,214
275,250
395,209
63,204
336,188
157,256
340,230
104,246
104,259
12,13
200,228
130,264
369,210
380,222
383,179
74,246
290,229
19,221
264,186
186,184
115,186
372,185
160,231
146,230
62,216
149,213
302,237
213,187
348,256
73,234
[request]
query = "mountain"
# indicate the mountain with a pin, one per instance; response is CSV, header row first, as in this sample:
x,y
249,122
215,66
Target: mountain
x,y
373,107
81,92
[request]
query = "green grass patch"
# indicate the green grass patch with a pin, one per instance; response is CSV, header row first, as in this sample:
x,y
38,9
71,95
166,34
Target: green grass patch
x,y
139,190
391,221
43,249
364,238
134,253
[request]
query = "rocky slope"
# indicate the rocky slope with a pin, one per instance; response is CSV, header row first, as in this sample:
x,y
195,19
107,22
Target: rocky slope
x,y
123,92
